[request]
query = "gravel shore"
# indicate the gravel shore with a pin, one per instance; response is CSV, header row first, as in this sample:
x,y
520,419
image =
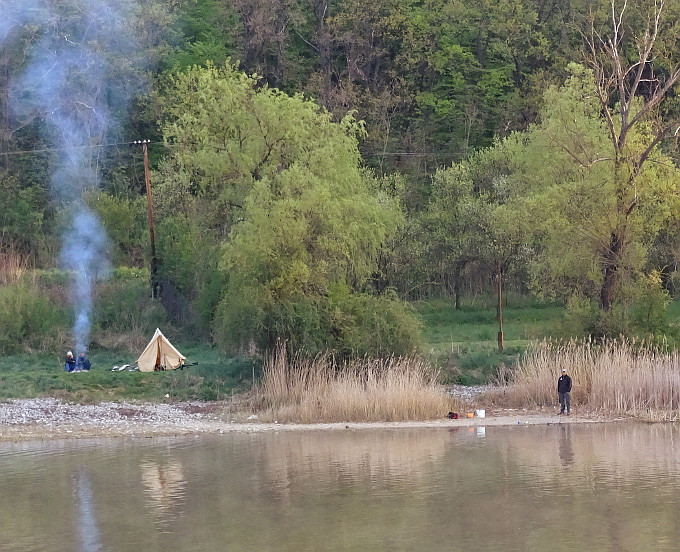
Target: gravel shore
x,y
37,419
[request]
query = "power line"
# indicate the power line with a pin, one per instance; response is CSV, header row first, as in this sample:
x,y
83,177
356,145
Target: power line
x,y
217,148
69,148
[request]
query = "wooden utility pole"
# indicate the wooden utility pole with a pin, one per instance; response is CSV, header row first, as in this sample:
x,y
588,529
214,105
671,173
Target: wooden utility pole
x,y
155,288
499,277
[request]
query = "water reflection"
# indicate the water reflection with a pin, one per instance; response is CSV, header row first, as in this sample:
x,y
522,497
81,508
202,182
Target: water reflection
x,y
85,519
164,484
352,458
566,448
615,487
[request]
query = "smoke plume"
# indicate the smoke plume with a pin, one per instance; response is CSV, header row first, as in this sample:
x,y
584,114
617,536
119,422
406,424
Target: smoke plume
x,y
77,82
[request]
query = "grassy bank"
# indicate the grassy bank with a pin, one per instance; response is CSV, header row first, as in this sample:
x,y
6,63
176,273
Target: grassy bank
x,y
42,375
463,343
621,378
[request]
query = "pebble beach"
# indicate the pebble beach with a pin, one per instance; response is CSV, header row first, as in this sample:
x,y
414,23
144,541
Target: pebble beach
x,y
48,418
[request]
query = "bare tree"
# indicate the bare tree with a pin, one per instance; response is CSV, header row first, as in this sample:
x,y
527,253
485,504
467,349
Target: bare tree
x,y
635,69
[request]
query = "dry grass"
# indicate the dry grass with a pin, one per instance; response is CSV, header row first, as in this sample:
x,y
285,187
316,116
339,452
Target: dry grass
x,y
309,390
618,377
12,263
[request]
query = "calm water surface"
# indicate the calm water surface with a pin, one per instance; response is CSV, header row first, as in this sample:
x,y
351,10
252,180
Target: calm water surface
x,y
590,487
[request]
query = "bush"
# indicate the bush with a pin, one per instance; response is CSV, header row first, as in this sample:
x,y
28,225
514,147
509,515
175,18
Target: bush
x,y
124,304
373,325
28,318
350,323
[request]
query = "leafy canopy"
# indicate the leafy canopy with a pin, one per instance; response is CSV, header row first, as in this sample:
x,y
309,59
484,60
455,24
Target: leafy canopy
x,y
281,193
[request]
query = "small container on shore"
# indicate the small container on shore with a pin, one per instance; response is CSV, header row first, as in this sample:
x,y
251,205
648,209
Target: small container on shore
x,y
470,414
481,413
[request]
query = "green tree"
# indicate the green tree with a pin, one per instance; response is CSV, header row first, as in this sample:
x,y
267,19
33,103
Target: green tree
x,y
635,69
277,188
589,223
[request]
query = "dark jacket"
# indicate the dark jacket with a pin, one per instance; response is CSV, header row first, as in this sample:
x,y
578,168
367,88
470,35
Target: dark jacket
x,y
564,384
70,364
82,363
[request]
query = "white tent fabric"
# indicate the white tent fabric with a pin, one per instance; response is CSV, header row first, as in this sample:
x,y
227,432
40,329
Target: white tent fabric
x,y
160,355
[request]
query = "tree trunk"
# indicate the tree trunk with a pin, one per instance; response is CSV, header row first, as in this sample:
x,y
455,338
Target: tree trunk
x,y
457,289
612,262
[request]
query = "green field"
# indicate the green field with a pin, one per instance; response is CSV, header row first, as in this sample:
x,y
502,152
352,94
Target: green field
x,y
464,343
215,377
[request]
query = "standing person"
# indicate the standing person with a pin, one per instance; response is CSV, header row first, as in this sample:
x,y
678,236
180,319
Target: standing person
x,y
563,390
70,363
83,363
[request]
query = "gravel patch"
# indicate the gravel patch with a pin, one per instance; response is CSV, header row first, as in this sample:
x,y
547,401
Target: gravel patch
x,y
38,419
468,392
47,418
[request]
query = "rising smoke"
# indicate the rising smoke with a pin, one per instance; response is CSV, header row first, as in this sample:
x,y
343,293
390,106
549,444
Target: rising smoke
x,y
77,80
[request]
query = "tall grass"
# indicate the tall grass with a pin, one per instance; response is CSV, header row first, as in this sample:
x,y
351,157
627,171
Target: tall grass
x,y
615,376
317,389
13,264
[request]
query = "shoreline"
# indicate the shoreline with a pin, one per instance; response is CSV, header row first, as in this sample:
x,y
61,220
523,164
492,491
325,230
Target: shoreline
x,y
52,419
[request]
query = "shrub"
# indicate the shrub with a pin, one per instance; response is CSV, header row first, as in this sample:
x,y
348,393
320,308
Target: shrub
x,y
28,318
125,314
350,323
373,325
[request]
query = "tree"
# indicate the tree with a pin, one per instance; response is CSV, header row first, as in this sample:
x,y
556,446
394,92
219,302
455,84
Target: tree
x,y
635,65
455,227
278,190
589,223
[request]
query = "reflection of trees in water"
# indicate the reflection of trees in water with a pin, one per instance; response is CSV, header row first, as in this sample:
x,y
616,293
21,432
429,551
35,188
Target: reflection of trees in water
x,y
351,457
164,487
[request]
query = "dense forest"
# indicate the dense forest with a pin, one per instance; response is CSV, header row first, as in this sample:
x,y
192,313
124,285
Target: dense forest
x,y
316,165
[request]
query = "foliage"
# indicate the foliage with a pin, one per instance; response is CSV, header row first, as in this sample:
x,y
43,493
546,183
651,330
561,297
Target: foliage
x,y
496,140
28,318
124,304
563,173
125,222
364,324
21,219
287,202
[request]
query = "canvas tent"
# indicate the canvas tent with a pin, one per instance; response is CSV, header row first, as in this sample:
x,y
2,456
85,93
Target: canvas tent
x,y
160,355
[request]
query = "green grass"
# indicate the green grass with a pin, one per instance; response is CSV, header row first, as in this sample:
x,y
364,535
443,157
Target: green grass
x,y
464,343
42,375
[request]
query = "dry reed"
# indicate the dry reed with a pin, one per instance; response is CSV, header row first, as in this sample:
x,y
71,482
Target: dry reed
x,y
12,263
317,389
615,376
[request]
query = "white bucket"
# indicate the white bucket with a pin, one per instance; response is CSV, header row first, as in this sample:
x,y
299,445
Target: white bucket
x,y
480,413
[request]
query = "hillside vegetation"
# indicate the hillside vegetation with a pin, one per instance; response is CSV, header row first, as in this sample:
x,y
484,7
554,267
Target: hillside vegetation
x,y
353,179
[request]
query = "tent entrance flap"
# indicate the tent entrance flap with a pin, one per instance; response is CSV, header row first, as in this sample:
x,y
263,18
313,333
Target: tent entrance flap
x,y
160,354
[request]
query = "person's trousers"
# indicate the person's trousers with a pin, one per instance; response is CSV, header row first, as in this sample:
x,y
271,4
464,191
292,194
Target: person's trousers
x,y
565,401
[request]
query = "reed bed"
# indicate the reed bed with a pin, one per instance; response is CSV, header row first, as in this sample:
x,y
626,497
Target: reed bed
x,y
13,264
309,390
616,376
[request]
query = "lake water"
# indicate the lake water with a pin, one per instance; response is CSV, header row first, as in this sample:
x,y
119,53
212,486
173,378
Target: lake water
x,y
527,488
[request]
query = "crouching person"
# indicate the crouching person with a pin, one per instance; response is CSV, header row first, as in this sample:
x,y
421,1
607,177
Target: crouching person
x,y
70,364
